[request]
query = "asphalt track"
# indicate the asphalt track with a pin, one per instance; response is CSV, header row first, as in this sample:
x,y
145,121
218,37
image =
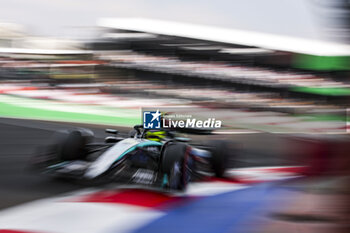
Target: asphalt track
x,y
18,142
20,138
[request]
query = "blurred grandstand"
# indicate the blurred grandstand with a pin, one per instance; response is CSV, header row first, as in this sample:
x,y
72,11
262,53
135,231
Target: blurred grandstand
x,y
258,81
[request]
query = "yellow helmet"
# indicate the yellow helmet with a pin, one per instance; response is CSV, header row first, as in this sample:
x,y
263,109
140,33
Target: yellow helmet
x,y
155,135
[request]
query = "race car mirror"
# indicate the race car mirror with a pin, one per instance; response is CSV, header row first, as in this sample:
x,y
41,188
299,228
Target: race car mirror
x,y
181,139
113,139
113,131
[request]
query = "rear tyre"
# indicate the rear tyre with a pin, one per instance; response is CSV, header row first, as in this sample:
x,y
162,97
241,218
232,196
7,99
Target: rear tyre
x,y
174,166
220,156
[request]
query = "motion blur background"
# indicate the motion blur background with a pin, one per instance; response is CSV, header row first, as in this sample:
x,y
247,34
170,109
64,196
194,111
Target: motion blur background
x,y
276,72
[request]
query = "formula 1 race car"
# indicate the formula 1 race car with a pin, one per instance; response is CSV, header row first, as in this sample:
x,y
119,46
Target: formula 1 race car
x,y
150,157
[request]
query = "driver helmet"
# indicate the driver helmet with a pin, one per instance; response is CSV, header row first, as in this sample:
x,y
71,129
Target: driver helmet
x,y
155,135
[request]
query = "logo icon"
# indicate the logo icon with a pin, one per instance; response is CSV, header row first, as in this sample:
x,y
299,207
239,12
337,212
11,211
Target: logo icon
x,y
151,119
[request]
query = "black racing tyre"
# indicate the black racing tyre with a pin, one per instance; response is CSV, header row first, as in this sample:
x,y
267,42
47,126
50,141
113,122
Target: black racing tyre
x,y
220,151
71,145
174,165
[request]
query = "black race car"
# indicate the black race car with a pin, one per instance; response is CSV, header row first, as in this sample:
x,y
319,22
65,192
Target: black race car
x,y
150,157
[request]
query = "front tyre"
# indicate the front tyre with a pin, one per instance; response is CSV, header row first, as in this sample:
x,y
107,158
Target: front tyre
x,y
220,151
174,166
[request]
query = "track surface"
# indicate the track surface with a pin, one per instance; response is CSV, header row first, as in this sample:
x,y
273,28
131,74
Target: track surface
x,y
20,138
18,142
